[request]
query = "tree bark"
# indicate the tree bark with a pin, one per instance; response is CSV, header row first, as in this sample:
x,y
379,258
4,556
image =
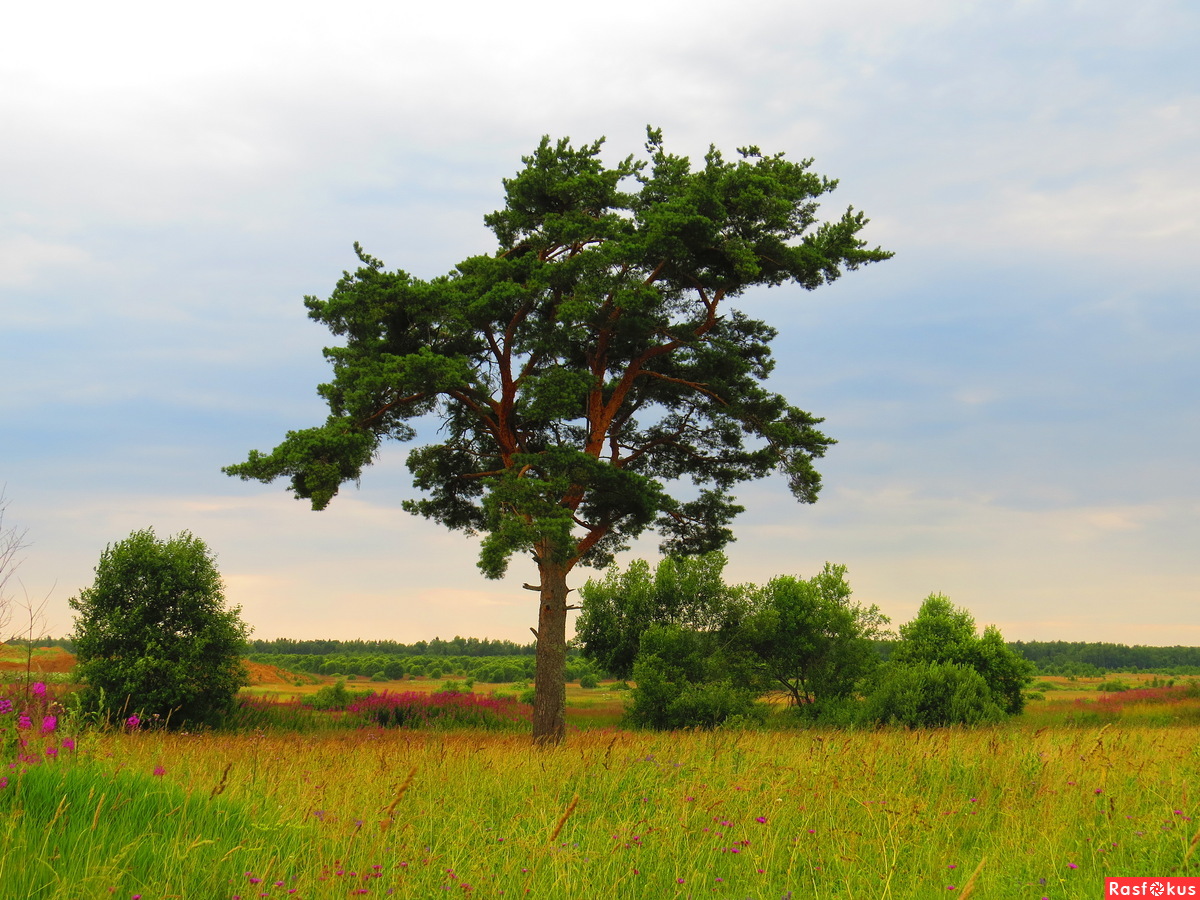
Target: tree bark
x,y
549,696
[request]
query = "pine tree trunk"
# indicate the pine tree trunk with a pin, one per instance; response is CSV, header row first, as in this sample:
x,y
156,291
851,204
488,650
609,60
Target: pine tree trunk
x,y
550,699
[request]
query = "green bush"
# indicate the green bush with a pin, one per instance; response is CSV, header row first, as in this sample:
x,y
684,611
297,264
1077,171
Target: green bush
x,y
394,669
944,633
334,696
588,680
1113,687
665,698
153,635
932,694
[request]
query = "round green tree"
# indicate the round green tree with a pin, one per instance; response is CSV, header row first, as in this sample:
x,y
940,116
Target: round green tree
x,y
153,635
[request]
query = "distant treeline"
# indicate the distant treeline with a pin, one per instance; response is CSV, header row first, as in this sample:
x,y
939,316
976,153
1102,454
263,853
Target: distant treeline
x,y
1064,657
1051,657
488,669
1091,659
458,646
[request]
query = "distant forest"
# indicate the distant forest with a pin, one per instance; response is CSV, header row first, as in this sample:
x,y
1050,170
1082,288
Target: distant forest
x,y
458,646
1086,658
1056,657
1050,657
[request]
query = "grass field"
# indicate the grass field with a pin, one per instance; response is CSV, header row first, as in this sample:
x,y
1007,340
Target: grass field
x,y
1043,807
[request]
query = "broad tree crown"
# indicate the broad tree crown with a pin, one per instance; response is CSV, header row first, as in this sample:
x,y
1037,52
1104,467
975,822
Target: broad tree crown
x,y
589,368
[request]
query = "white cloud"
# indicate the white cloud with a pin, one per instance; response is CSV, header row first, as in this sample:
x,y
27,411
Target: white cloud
x,y
23,259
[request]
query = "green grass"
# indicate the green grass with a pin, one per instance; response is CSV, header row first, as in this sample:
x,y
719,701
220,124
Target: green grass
x,y
864,814
84,830
1045,806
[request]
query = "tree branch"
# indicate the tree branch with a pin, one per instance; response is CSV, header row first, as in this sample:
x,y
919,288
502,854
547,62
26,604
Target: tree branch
x,y
388,407
694,385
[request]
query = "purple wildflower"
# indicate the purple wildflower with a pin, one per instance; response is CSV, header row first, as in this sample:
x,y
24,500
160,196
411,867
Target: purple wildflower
x,y
133,722
5,706
39,689
24,722
49,723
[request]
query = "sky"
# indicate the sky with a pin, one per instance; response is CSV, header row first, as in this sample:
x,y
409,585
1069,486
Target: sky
x,y
1015,394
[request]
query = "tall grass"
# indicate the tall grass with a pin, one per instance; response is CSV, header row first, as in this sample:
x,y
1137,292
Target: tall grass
x,y
1044,807
613,814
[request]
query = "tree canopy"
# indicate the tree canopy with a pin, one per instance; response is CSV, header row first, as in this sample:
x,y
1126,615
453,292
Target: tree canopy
x,y
587,369
813,640
620,608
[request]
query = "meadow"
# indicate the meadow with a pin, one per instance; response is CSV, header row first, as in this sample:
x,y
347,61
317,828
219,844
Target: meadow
x,y
1045,806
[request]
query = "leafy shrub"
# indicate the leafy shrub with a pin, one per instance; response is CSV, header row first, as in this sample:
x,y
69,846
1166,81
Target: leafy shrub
x,y
394,669
153,634
932,694
1113,687
712,704
944,633
588,680
334,696
663,699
